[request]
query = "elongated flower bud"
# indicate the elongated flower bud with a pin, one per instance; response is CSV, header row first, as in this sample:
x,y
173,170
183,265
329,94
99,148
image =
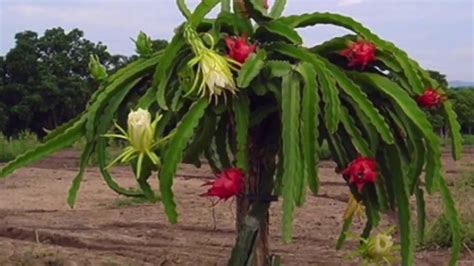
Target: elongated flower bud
x,y
144,45
97,70
140,131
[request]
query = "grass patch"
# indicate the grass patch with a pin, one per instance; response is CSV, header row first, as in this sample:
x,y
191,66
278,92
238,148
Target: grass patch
x,y
438,233
467,140
466,184
10,148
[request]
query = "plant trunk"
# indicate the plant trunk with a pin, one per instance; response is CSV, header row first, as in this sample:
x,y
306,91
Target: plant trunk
x,y
263,143
262,252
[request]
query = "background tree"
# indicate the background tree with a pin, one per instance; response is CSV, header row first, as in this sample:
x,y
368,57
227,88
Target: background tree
x,y
463,104
3,115
440,78
157,45
45,79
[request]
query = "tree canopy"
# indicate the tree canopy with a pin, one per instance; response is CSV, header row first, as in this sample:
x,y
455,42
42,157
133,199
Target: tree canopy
x,y
463,105
45,81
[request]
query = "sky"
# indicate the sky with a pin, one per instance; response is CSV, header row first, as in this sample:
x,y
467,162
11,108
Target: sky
x,y
439,34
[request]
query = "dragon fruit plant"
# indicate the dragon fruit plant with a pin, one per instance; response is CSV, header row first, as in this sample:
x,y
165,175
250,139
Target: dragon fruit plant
x,y
242,91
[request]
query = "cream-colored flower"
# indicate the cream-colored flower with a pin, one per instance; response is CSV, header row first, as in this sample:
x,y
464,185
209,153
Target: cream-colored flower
x,y
140,130
378,249
140,135
380,245
214,72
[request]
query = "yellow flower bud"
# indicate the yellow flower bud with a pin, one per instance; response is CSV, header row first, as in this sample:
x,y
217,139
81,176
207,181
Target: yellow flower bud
x,y
354,207
140,131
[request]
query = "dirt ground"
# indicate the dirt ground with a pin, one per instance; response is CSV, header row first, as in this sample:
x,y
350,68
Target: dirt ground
x,y
38,228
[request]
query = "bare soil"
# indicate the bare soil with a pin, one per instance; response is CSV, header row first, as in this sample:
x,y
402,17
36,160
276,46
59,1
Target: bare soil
x,y
38,228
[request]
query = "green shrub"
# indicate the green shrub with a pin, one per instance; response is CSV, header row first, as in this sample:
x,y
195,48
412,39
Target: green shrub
x,y
439,234
468,140
466,184
12,147
324,152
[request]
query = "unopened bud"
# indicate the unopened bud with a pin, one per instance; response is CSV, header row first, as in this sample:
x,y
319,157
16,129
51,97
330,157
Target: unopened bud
x,y
144,45
97,70
140,130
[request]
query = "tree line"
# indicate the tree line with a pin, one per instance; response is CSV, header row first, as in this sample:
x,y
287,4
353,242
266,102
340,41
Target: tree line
x,y
463,104
45,81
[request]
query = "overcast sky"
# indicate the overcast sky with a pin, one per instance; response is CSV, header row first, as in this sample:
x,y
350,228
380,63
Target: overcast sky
x,y
437,33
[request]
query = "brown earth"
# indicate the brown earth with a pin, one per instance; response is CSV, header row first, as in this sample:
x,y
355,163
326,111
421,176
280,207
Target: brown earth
x,y
38,228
